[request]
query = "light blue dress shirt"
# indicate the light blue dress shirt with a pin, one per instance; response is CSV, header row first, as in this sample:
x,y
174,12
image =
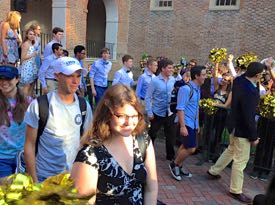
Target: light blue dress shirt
x,y
46,70
48,48
158,96
99,72
83,81
143,83
123,76
189,107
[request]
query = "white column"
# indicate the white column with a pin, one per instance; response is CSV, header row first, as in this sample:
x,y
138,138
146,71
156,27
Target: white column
x,y
111,24
59,16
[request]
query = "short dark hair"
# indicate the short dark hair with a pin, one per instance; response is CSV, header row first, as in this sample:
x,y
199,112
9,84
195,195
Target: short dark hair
x,y
150,61
126,57
163,63
254,68
78,49
65,52
104,50
57,29
196,70
56,46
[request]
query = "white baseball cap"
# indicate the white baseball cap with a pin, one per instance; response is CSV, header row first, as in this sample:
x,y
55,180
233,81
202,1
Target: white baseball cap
x,y
67,66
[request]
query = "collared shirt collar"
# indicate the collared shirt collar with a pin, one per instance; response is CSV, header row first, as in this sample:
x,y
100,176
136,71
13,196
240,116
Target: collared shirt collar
x,y
194,85
146,70
104,62
55,56
126,69
55,41
253,83
80,61
160,76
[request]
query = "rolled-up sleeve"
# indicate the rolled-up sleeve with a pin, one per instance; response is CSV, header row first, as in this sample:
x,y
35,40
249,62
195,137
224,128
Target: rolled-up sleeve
x,y
183,97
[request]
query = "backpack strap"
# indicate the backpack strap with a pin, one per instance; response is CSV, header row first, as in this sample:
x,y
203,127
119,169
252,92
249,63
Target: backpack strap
x,y
43,107
142,146
191,91
83,110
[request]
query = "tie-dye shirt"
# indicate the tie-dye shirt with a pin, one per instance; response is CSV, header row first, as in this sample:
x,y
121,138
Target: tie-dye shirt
x,y
12,138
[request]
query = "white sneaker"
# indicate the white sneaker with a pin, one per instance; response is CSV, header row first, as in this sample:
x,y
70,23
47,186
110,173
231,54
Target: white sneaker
x,y
184,173
175,171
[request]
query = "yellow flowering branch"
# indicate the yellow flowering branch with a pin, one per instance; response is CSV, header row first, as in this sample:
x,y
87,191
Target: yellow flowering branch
x,y
267,106
19,189
217,55
245,59
208,106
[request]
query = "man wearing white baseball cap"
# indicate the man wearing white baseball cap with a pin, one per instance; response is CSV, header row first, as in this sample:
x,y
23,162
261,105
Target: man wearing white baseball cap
x,y
51,145
68,66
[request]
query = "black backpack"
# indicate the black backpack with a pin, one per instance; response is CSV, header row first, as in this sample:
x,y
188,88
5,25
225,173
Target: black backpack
x,y
43,104
174,94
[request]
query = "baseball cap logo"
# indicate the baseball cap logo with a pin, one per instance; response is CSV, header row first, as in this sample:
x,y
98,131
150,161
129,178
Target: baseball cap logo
x,y
71,62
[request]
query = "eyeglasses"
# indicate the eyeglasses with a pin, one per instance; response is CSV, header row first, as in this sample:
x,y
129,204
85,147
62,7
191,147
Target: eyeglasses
x,y
122,118
83,53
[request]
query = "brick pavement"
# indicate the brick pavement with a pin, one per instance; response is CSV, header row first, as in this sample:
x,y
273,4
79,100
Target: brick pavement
x,y
198,190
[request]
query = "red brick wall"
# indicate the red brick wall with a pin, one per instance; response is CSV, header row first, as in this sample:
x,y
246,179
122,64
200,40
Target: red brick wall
x,y
191,29
5,8
76,17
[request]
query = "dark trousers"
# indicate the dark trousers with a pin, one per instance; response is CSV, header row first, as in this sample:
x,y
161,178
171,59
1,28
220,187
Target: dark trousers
x,y
99,93
169,131
264,152
216,137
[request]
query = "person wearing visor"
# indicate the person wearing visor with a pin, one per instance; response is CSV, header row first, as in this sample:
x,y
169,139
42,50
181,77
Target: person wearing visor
x,y
13,105
60,139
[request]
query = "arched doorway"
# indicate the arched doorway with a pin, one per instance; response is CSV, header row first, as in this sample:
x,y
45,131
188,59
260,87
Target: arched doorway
x,y
96,27
102,26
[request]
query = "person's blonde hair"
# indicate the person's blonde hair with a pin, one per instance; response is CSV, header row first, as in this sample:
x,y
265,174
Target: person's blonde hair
x,y
34,26
116,96
13,18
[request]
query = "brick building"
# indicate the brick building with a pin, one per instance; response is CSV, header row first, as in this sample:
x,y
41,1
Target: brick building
x,y
171,28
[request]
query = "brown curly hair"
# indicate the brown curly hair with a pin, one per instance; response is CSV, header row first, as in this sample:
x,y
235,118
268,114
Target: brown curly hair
x,y
116,96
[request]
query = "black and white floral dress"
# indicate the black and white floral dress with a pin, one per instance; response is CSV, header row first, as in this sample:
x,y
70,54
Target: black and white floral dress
x,y
115,186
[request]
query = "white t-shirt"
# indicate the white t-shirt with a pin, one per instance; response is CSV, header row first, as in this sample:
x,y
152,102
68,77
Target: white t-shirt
x,y
60,140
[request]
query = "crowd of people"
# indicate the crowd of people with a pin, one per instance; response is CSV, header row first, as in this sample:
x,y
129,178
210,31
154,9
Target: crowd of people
x,y
57,131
